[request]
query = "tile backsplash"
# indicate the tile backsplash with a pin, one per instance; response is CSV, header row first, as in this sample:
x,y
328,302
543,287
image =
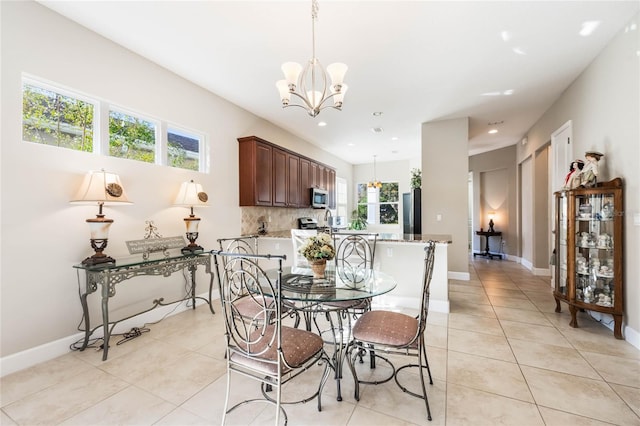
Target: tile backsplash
x,y
277,218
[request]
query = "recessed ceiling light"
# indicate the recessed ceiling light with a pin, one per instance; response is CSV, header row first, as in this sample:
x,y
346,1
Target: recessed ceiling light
x,y
519,51
395,138
508,92
377,129
322,124
491,94
493,131
377,113
394,151
588,27
506,35
351,144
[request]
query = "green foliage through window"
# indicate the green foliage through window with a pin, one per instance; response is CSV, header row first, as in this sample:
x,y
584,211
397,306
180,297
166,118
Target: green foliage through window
x,y
58,117
131,137
379,205
51,118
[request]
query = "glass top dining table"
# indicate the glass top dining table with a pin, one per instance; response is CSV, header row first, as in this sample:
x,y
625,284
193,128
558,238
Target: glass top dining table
x,y
339,284
314,296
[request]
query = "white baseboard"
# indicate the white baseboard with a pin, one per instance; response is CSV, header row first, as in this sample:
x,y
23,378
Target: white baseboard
x,y
526,264
32,356
630,335
543,272
461,276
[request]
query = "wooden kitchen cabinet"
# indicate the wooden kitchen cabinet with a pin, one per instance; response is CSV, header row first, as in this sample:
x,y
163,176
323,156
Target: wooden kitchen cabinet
x,y
305,182
286,174
273,176
588,251
255,172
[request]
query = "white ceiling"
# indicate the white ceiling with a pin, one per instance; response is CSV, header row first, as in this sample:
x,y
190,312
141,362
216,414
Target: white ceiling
x,y
414,61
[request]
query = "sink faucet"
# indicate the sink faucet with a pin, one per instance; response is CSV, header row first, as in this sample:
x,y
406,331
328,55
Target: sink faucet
x,y
327,215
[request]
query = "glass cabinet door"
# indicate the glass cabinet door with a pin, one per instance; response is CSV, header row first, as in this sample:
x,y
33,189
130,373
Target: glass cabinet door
x,y
561,245
594,258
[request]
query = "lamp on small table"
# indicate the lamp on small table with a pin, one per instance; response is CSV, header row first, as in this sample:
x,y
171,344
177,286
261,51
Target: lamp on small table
x,y
190,195
491,216
103,188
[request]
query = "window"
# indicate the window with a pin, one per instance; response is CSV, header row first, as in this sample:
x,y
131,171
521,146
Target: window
x,y
379,205
59,117
183,149
341,197
53,118
131,137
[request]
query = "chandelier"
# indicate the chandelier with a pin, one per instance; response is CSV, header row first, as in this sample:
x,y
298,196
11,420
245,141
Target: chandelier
x,y
375,183
309,85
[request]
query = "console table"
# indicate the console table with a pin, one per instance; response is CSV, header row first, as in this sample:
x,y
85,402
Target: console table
x,y
107,275
486,252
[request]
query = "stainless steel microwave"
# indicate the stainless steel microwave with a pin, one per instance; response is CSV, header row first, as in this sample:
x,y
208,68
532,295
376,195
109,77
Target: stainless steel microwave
x,y
319,198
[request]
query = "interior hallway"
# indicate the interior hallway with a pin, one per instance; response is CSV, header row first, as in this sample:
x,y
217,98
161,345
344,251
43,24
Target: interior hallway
x,y
501,357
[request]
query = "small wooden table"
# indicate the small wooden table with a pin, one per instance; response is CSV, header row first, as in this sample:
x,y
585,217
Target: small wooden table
x,y
486,252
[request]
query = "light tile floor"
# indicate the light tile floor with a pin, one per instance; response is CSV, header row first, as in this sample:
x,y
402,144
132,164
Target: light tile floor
x,y
501,357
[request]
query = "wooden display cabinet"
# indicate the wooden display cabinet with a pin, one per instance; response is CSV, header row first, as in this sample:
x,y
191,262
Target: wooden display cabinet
x,y
588,247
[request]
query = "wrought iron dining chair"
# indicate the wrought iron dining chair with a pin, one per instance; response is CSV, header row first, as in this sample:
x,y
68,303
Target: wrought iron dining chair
x,y
261,347
355,255
397,334
247,307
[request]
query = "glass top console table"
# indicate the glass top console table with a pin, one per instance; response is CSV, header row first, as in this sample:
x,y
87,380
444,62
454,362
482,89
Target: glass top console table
x,y
108,275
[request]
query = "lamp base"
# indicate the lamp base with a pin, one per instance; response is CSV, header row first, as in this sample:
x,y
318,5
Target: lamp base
x,y
98,244
192,249
98,259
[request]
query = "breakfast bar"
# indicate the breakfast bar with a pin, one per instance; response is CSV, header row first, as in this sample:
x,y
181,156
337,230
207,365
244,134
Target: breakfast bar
x,y
398,255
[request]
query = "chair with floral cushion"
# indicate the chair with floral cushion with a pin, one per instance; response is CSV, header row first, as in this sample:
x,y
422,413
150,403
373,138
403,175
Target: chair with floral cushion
x,y
397,334
261,347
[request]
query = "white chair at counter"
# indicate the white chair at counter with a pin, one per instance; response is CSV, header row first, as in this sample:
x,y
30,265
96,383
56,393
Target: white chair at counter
x,y
300,265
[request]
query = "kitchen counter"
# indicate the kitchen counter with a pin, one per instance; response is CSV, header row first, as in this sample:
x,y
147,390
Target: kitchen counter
x,y
382,236
397,255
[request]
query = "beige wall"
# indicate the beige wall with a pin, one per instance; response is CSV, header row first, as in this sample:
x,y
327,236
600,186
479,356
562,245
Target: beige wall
x,y
603,104
445,168
42,236
495,189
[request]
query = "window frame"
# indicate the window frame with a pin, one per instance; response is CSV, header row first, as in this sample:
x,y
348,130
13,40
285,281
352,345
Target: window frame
x,y
69,93
100,126
373,203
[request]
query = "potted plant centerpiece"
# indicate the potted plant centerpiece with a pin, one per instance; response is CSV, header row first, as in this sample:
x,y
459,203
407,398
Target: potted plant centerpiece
x,y
317,250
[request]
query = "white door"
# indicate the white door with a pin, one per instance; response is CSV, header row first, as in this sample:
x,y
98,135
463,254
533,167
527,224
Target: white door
x,y
561,158
562,152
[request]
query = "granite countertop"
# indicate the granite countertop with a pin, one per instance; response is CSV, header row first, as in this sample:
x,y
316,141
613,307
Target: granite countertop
x,y
382,237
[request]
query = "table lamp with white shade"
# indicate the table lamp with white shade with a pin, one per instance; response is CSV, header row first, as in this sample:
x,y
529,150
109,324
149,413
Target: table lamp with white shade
x,y
191,195
102,188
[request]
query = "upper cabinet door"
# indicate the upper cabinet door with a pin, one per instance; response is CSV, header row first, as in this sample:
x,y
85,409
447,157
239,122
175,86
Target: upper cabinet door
x,y
293,180
304,199
280,178
255,172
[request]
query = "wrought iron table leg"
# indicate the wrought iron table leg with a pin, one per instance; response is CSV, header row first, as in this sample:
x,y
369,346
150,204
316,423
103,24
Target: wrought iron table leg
x,y
86,321
105,323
